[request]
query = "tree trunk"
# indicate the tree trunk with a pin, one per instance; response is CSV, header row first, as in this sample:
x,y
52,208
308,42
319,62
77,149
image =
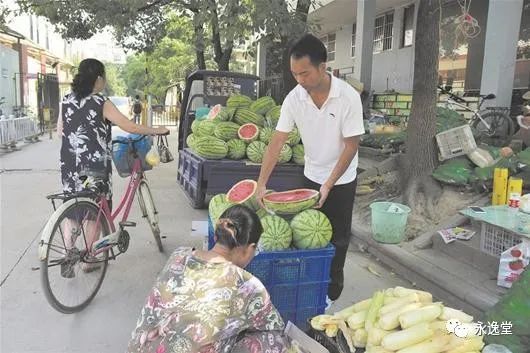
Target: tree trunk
x,y
302,10
287,77
224,62
198,31
421,191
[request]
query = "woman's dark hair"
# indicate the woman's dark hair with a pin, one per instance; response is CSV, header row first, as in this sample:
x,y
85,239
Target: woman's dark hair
x,y
311,46
238,225
87,74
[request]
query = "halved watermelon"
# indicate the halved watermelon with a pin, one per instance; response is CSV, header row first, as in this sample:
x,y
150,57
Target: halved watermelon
x,y
292,201
248,132
214,111
244,193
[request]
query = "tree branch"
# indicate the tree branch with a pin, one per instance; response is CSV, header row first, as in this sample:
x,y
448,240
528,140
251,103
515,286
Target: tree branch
x,y
216,36
153,4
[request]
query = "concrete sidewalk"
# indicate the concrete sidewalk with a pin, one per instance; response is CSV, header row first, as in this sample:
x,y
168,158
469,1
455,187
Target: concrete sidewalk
x,y
29,324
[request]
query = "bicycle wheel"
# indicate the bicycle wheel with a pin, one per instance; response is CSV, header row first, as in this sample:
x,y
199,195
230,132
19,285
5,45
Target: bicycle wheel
x,y
70,274
500,132
147,205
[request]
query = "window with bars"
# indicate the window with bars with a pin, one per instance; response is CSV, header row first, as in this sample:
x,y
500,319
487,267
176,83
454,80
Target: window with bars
x,y
353,33
407,35
329,42
383,32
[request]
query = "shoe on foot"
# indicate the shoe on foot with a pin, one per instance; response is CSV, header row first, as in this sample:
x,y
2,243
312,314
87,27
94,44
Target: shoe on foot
x,y
329,302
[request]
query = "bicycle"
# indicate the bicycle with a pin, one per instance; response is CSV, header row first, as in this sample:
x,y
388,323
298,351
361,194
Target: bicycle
x,y
490,126
81,237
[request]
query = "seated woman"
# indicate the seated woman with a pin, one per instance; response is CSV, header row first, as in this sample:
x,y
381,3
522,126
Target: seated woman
x,y
204,301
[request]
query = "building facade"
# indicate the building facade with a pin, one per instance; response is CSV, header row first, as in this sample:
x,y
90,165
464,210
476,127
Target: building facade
x,y
373,41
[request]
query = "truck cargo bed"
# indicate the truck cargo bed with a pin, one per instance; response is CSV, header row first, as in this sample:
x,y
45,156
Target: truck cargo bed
x,y
199,177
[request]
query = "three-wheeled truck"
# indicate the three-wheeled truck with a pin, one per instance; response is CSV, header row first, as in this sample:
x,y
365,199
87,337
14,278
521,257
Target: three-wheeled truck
x,y
198,176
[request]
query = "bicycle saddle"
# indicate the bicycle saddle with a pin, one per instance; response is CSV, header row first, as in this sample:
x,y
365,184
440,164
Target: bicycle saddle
x,y
97,175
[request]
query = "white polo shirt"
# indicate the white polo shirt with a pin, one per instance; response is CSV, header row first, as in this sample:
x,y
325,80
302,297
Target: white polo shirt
x,y
323,130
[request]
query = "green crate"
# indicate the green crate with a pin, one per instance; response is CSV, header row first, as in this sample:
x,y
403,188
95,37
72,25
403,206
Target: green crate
x,y
401,105
385,97
378,105
404,97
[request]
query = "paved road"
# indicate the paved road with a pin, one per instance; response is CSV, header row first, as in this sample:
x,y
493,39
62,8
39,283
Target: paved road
x,y
29,325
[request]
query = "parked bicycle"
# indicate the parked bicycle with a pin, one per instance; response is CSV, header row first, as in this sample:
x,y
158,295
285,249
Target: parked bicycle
x,y
490,126
81,236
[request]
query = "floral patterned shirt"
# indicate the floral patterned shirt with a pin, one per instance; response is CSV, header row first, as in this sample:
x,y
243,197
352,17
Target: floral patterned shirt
x,y
201,306
86,141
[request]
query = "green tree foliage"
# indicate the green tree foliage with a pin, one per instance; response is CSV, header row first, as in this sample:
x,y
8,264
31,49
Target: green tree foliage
x,y
216,25
168,63
115,82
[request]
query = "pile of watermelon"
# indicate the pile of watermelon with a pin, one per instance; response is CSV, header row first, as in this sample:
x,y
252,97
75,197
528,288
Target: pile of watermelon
x,y
289,220
242,129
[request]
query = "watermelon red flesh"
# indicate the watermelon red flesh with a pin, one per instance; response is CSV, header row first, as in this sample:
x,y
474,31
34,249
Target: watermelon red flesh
x,y
243,193
248,132
292,195
292,201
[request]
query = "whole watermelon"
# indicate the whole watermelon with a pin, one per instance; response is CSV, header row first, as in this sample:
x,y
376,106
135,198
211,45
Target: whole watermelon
x,y
237,149
226,114
272,116
226,130
218,204
210,147
255,151
285,154
190,140
206,128
194,125
294,137
266,134
245,116
298,154
277,234
262,213
311,230
262,105
238,101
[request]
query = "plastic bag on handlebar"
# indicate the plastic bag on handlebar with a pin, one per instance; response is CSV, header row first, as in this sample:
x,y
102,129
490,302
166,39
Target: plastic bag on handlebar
x,y
163,150
152,157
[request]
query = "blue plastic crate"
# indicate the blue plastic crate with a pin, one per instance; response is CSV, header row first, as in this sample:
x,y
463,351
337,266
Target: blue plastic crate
x,y
122,156
297,280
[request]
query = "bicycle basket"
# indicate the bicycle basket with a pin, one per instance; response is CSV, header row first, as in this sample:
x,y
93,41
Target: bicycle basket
x,y
123,157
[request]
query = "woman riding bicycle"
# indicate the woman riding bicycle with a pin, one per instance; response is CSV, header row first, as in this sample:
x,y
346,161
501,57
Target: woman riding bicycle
x,y
204,301
85,126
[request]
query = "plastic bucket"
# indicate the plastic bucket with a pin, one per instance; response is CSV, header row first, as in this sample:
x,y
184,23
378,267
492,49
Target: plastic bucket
x,y
202,113
389,220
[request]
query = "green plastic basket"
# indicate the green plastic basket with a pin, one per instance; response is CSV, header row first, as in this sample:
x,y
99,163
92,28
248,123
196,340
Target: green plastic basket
x,y
388,227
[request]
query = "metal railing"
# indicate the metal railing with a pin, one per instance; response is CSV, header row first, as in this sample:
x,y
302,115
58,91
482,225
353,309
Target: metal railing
x,y
167,115
13,130
272,86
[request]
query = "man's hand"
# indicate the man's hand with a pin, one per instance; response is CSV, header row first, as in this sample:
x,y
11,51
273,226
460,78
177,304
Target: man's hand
x,y
324,192
260,192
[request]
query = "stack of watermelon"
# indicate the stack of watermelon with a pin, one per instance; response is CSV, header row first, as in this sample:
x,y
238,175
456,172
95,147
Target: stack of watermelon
x,y
289,221
242,129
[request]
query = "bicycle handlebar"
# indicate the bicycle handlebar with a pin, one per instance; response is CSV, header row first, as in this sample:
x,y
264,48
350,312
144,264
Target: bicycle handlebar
x,y
130,140
452,95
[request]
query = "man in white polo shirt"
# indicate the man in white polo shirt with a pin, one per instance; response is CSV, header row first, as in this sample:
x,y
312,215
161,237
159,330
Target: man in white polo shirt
x,y
328,114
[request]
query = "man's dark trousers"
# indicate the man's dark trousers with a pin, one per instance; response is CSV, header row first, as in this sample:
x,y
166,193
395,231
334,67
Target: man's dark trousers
x,y
338,207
